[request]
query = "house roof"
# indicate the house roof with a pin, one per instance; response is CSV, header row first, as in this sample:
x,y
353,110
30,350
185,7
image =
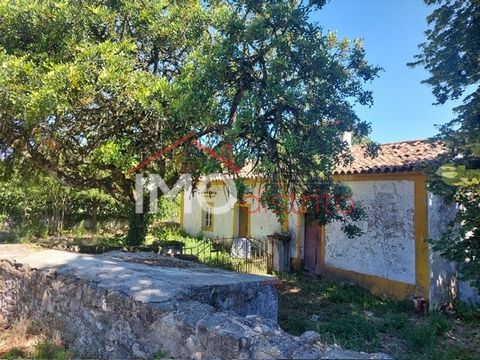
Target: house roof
x,y
393,157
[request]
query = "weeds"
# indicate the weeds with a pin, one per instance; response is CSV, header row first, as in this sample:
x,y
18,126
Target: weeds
x,y
14,353
24,341
354,318
160,355
49,350
468,313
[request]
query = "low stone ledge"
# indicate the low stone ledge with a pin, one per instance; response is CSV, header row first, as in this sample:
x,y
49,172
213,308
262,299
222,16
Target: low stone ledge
x,y
108,322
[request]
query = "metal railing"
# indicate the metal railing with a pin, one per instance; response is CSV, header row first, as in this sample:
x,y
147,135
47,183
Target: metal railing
x,y
246,255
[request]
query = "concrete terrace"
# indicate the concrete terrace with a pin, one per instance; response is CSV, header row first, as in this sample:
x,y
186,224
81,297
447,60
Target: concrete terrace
x,y
148,278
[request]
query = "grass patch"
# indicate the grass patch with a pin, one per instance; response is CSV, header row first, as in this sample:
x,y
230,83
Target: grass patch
x,y
468,313
49,350
24,341
43,350
160,355
14,353
352,317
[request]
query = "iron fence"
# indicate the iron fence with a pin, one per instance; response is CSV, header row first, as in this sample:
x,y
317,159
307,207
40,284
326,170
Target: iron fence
x,y
247,255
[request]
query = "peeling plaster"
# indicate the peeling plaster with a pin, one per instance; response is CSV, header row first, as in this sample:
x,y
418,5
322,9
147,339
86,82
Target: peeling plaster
x,y
387,249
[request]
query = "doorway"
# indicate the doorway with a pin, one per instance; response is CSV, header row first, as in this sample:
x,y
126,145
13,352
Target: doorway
x,y
313,247
243,221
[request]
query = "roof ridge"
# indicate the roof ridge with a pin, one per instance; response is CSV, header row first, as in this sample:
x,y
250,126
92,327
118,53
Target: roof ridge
x,y
427,140
397,156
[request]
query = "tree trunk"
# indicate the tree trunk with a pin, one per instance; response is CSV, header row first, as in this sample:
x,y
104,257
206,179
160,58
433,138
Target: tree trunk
x,y
137,229
94,215
138,225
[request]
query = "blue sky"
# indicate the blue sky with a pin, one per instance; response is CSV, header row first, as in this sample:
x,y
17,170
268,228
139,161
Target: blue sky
x,y
391,30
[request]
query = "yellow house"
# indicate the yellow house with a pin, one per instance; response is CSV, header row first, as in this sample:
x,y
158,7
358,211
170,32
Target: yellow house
x,y
392,257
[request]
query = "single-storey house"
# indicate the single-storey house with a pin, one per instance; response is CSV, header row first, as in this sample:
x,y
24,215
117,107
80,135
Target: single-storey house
x,y
393,256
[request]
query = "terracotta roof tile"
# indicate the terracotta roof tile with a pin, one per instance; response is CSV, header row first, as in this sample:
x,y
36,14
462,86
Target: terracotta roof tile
x,y
393,157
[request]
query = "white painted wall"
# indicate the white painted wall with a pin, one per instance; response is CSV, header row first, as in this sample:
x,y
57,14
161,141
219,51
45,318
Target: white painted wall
x,y
293,228
222,221
387,249
443,280
444,285
263,223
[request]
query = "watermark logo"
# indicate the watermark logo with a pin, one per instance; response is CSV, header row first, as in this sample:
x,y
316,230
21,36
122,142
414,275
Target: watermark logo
x,y
153,182
314,203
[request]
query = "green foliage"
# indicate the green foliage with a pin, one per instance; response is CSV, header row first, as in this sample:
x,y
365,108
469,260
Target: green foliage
x,y
420,337
160,355
14,353
354,318
34,204
461,240
31,230
48,350
440,323
137,230
351,326
79,230
425,335
451,56
396,321
163,231
467,312
88,89
168,210
42,351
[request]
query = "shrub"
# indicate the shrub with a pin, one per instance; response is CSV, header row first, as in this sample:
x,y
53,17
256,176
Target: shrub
x,y
14,353
467,312
396,321
49,350
351,326
440,323
421,336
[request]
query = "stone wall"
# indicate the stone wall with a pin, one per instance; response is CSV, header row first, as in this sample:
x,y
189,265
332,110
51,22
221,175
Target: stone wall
x,y
103,323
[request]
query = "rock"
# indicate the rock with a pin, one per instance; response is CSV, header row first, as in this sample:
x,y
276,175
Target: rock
x,y
338,353
115,307
305,352
310,337
137,352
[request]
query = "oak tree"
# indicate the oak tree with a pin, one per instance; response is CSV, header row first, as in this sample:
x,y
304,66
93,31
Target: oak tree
x,y
89,89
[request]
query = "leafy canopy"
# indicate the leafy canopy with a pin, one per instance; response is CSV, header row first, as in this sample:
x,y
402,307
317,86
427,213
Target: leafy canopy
x,y
89,89
452,56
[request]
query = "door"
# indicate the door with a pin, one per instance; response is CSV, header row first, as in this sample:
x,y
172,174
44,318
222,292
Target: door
x,y
243,221
312,247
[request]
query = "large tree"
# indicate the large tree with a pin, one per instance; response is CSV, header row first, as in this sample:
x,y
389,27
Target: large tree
x,y
88,89
452,56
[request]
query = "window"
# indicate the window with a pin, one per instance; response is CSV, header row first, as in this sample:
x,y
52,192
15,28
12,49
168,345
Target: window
x,y
207,217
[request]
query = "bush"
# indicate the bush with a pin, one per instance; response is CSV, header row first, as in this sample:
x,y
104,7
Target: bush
x,y
80,230
468,313
421,336
49,350
14,353
396,321
440,323
29,231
